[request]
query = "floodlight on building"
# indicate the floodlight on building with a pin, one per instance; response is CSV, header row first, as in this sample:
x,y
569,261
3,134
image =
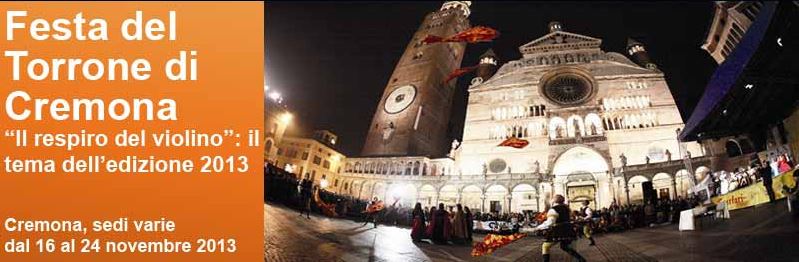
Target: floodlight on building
x,y
266,88
323,183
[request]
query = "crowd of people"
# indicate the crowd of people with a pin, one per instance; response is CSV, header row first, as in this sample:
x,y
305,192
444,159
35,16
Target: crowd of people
x,y
723,182
455,224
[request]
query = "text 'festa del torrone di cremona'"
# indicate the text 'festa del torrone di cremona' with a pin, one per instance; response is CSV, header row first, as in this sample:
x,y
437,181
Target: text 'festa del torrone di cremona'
x,y
21,105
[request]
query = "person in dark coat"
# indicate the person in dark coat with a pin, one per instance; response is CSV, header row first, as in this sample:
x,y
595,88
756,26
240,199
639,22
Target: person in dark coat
x,y
766,174
469,224
305,197
431,217
441,225
419,225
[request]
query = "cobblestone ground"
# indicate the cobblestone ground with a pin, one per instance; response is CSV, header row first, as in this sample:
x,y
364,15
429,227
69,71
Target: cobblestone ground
x,y
289,237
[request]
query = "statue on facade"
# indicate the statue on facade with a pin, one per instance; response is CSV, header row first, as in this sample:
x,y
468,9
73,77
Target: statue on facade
x,y
688,154
485,169
577,131
623,159
647,159
668,155
455,145
388,130
536,167
558,132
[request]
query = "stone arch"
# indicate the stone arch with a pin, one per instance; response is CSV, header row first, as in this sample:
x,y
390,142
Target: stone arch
x,y
557,128
574,124
662,182
733,148
636,190
471,196
448,195
581,159
496,198
746,145
583,170
358,167
427,195
416,167
524,196
593,124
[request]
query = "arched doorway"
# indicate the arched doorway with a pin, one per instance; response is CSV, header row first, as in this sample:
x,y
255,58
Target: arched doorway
x,y
471,197
661,183
581,187
524,198
636,189
495,199
580,172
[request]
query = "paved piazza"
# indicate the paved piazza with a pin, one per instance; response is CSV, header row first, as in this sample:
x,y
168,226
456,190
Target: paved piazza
x,y
753,235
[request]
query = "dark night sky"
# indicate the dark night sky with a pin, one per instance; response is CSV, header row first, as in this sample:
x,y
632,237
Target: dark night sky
x,y
332,60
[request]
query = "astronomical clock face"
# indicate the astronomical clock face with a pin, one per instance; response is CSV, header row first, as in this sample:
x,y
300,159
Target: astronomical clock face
x,y
400,99
568,89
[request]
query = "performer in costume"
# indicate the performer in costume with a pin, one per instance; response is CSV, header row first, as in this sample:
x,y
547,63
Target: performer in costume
x,y
419,223
372,211
588,217
559,228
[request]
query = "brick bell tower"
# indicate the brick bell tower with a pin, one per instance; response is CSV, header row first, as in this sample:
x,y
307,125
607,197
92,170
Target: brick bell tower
x,y
413,114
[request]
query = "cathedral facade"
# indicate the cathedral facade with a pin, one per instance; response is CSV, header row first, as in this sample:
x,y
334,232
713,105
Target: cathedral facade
x,y
602,126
